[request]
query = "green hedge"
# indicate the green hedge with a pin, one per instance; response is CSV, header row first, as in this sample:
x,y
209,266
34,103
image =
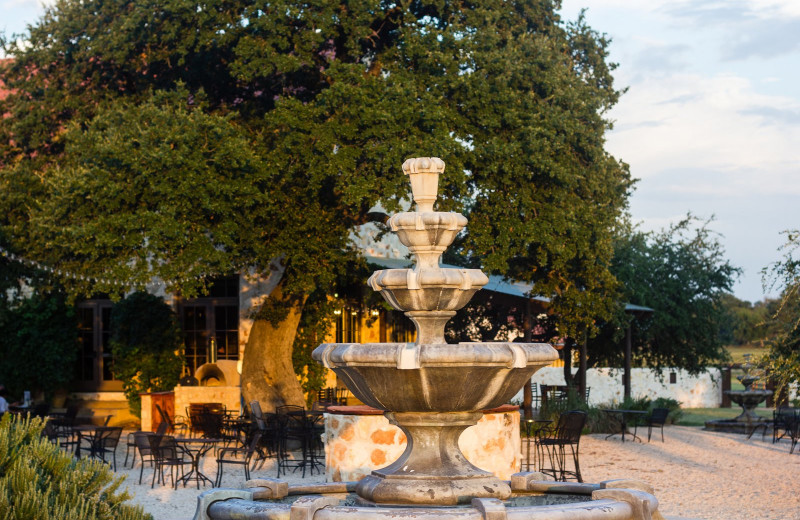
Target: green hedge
x,y
39,481
598,421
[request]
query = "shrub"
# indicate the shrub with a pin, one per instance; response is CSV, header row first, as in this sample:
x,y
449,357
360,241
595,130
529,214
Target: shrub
x,y
45,325
598,421
38,481
674,407
147,346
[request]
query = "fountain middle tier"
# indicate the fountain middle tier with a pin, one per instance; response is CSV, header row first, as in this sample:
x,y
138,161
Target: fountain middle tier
x,y
427,289
433,393
409,377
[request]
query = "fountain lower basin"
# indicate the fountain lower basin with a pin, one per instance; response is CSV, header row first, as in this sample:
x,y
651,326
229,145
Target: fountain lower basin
x,y
532,499
748,421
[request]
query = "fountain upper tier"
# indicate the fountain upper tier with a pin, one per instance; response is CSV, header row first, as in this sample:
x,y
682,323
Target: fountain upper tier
x,y
427,233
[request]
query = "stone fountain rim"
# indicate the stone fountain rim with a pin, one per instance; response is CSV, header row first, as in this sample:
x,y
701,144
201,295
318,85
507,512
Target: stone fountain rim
x,y
479,354
630,497
428,277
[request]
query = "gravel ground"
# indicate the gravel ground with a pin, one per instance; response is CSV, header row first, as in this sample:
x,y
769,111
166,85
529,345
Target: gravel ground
x,y
696,474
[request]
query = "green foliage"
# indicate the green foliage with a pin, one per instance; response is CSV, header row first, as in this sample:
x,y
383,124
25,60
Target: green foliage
x,y
783,359
178,141
598,421
174,140
43,327
39,481
682,274
147,346
745,323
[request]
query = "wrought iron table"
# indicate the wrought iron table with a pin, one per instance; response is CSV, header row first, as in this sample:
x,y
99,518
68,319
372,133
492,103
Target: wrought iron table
x,y
195,447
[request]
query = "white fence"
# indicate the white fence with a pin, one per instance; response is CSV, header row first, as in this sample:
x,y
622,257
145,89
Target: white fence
x,y
700,391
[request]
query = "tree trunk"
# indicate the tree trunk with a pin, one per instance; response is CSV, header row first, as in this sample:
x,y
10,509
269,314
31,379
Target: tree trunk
x,y
567,352
267,372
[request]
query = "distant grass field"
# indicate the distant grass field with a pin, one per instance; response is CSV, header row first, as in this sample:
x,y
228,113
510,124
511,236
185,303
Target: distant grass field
x,y
737,352
699,416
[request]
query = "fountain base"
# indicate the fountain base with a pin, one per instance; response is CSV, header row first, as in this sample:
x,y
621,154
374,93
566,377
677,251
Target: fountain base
x,y
432,470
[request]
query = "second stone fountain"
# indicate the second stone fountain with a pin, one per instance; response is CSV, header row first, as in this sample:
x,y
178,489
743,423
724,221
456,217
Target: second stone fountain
x,y
430,389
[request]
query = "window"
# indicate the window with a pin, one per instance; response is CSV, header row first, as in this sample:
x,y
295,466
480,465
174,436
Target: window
x,y
211,323
348,325
402,329
93,366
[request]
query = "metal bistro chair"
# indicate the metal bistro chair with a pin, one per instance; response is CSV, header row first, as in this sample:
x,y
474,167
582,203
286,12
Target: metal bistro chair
x,y
658,417
132,444
105,441
166,454
240,456
552,446
142,440
63,425
268,425
174,426
782,421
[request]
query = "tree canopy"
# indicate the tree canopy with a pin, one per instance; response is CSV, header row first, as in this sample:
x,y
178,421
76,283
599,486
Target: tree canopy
x,y
176,140
682,274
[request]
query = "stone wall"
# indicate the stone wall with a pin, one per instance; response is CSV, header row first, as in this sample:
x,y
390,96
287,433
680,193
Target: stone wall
x,y
700,391
357,444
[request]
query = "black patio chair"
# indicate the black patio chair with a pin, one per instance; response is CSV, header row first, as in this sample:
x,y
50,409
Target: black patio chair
x,y
211,424
241,456
132,444
298,428
166,454
658,417
104,442
793,427
142,441
552,443
268,425
64,425
782,420
175,426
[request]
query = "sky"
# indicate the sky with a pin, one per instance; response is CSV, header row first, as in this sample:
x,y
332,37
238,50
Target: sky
x,y
710,122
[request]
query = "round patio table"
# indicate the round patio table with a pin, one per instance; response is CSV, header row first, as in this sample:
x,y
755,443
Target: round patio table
x,y
195,447
84,431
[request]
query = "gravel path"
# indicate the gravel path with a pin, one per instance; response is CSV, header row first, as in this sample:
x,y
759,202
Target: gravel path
x,y
696,474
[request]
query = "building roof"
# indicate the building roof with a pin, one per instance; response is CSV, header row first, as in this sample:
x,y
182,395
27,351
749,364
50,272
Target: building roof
x,y
497,283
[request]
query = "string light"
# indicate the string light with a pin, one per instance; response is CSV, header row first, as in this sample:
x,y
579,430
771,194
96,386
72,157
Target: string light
x,y
84,278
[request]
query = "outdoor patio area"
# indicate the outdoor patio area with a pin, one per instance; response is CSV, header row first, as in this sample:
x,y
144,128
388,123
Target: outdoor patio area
x,y
696,474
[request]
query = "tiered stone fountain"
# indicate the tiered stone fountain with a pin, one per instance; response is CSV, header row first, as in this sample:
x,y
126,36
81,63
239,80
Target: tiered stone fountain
x,y
747,421
433,391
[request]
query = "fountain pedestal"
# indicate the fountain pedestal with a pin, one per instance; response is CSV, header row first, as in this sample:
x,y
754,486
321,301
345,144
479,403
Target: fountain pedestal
x,y
430,471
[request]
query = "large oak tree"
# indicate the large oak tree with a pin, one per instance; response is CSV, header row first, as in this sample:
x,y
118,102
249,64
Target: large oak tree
x,y
177,139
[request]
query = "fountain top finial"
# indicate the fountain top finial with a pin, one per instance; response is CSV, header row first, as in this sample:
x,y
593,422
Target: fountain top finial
x,y
423,165
424,175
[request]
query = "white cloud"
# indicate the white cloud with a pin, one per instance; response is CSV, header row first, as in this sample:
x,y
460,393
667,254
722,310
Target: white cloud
x,y
29,4
720,124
